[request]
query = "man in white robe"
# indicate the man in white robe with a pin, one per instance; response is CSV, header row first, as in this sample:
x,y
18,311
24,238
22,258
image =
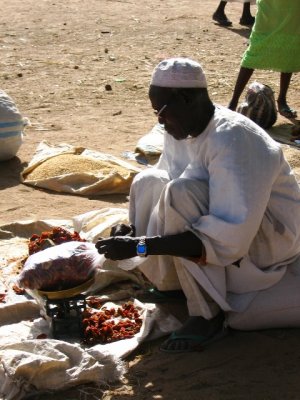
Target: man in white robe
x,y
218,217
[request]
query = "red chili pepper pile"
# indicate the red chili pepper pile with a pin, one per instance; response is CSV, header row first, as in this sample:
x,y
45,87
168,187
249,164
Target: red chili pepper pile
x,y
94,302
18,290
57,235
2,297
109,325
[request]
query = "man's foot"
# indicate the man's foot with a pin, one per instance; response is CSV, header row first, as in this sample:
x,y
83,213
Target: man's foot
x,y
247,21
195,333
221,19
285,110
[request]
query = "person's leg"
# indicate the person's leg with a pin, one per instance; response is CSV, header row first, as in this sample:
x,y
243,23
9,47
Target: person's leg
x,y
246,18
274,307
142,201
205,321
283,107
242,80
219,15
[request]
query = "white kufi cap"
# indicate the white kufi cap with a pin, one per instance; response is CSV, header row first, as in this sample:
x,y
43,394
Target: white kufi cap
x,y
179,73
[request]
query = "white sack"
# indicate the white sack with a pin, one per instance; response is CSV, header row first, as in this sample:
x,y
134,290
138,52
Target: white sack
x,y
11,127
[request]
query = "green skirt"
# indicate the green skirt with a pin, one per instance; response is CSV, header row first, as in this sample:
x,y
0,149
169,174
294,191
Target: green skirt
x,y
275,38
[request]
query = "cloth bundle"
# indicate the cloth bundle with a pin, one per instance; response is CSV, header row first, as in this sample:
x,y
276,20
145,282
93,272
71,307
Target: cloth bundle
x,y
259,105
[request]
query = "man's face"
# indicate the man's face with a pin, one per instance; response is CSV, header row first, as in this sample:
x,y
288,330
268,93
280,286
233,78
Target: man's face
x,y
172,111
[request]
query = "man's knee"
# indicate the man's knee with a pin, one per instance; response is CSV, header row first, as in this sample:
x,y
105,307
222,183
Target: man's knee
x,y
150,177
183,186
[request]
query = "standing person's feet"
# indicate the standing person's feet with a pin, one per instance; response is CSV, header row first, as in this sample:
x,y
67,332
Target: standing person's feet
x,y
285,110
247,21
221,19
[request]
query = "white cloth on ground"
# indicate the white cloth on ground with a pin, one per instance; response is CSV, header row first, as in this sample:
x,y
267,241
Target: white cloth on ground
x,y
253,212
29,364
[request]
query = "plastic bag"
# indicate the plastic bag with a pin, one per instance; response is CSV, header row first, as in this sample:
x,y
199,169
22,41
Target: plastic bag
x,y
260,105
60,267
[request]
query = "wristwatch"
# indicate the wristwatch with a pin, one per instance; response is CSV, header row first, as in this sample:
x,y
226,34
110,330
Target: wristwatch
x,y
141,248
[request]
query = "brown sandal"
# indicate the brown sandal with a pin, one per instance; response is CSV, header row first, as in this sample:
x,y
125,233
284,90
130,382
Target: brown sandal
x,y
287,112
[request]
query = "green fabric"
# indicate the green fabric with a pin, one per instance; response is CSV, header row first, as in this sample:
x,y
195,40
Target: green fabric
x,y
275,38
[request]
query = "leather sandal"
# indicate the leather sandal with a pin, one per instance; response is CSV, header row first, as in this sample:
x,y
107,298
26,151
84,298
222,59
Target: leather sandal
x,y
287,112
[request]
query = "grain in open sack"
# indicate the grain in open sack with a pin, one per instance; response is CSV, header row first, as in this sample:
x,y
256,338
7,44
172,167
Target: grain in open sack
x,y
65,164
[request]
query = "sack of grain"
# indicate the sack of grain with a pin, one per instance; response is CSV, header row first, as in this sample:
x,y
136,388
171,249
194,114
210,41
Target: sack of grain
x,y
65,168
67,164
11,127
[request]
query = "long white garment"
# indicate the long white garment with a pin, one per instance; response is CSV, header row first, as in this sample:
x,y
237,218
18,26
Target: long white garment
x,y
253,212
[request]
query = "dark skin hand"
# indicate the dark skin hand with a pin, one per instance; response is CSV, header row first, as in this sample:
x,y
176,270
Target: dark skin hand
x,y
120,247
123,230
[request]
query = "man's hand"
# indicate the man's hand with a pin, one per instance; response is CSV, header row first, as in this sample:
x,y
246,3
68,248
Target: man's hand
x,y
185,244
123,230
117,247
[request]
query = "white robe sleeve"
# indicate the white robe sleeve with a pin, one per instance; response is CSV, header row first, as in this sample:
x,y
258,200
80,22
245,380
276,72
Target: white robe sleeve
x,y
240,183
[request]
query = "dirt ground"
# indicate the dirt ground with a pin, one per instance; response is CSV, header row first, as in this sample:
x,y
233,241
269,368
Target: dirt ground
x,y
56,60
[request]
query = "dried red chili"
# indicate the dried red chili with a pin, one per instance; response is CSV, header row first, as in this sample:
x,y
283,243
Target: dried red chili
x,y
56,236
94,302
109,325
42,336
2,297
18,290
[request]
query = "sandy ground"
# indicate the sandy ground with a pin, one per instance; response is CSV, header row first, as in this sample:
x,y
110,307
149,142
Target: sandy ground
x,y
56,60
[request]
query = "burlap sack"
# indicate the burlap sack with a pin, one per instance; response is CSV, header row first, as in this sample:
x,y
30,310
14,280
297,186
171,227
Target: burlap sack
x,y
76,170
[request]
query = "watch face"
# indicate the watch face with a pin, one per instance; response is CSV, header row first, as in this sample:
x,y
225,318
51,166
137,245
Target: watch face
x,y
141,248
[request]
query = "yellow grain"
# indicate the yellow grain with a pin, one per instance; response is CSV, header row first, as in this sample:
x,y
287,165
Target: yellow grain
x,y
71,163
